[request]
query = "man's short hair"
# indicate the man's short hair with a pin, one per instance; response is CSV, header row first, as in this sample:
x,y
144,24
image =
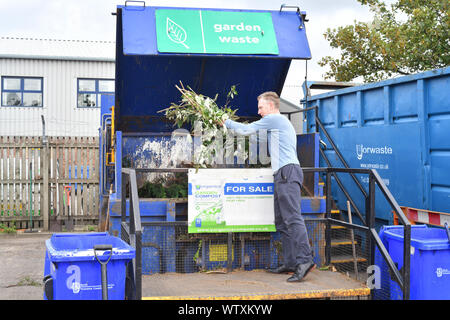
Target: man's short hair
x,y
271,96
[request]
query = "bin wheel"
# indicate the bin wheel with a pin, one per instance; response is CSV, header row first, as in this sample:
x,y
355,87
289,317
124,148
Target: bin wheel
x,y
48,287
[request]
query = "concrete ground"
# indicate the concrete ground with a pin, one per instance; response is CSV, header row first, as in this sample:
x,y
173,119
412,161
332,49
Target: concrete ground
x,y
22,258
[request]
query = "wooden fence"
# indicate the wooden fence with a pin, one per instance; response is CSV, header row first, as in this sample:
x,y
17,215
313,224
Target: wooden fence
x,y
41,183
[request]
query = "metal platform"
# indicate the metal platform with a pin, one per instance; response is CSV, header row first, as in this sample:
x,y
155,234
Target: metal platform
x,y
250,285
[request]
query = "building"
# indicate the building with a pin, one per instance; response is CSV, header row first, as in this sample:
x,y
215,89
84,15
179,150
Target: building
x,y
291,111
62,80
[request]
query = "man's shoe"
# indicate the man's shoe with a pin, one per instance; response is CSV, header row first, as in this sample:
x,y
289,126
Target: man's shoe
x,y
301,271
281,269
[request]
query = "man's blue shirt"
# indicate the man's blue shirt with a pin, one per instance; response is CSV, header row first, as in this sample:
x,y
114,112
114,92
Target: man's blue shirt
x,y
276,125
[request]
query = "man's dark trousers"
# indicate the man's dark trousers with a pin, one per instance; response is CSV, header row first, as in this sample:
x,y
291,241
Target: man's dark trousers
x,y
288,219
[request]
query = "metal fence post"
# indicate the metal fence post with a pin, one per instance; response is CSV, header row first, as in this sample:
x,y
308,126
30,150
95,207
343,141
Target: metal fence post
x,y
328,216
406,261
123,197
45,195
370,218
230,252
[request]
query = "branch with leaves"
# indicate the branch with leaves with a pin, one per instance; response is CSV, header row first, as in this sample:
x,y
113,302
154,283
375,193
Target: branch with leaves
x,y
406,37
197,109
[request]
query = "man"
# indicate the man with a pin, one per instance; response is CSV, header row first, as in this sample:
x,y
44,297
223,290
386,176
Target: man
x,y
288,178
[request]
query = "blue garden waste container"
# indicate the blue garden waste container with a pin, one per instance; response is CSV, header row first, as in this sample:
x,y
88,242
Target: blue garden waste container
x,y
430,261
72,272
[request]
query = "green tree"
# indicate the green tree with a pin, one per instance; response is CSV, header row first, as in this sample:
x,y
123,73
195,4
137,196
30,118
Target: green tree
x,y
405,37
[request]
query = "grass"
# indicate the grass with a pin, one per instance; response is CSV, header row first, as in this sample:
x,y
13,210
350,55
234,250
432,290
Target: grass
x,y
5,229
28,281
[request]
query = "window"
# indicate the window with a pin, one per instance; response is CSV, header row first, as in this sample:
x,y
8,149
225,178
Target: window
x,y
21,92
90,91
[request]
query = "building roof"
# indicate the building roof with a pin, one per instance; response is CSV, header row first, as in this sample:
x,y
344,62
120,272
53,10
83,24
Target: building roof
x,y
31,48
288,106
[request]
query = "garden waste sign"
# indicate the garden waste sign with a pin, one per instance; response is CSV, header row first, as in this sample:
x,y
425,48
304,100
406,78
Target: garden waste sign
x,y
230,200
209,31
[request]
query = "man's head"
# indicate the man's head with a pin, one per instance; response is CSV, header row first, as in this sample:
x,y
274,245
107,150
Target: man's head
x,y
268,103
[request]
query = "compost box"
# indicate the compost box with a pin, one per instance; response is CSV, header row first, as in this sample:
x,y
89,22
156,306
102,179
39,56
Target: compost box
x,y
208,50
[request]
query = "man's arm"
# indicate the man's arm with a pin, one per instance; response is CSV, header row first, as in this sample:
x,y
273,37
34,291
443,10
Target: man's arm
x,y
247,129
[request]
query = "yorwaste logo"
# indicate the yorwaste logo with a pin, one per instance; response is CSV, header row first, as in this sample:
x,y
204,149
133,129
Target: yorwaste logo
x,y
361,150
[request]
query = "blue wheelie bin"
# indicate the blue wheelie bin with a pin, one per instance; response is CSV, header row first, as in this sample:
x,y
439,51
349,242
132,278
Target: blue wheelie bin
x,y
73,266
430,261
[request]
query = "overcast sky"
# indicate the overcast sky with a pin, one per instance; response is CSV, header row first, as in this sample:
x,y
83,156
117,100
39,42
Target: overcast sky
x,y
92,20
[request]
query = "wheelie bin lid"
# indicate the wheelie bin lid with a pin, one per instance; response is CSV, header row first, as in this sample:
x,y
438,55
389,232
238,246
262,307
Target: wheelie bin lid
x,y
69,247
422,236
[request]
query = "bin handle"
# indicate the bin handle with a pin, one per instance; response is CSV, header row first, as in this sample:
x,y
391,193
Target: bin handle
x,y
103,247
448,231
301,15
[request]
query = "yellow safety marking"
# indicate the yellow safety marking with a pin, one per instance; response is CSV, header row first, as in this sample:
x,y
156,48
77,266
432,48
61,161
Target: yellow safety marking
x,y
219,252
358,259
341,243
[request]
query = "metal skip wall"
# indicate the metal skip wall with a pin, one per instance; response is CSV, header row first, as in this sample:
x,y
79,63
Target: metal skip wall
x,y
62,117
401,128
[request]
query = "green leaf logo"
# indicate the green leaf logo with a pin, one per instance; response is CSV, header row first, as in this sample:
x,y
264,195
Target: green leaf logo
x,y
176,33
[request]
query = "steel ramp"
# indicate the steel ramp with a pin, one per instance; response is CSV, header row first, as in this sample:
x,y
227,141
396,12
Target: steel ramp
x,y
250,285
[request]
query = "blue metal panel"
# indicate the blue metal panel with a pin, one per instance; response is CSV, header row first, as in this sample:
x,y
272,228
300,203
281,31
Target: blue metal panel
x,y
362,149
118,164
149,151
308,155
372,100
403,100
158,249
328,118
150,209
403,132
316,235
147,85
437,94
107,101
348,112
146,79
258,253
313,205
